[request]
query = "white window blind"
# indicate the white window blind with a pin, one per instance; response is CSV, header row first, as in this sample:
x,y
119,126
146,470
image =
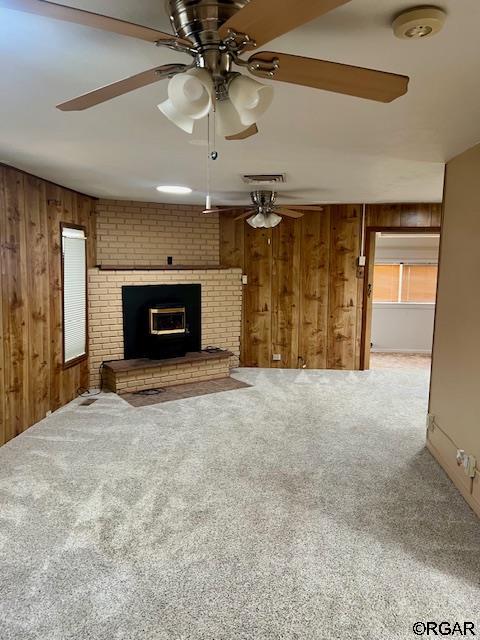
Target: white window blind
x,y
74,293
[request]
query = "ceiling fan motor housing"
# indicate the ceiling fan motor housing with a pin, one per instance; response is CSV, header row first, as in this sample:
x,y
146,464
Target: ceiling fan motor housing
x,y
200,20
264,200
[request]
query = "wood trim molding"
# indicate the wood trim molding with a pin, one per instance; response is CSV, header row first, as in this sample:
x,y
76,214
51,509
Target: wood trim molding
x,y
162,267
369,257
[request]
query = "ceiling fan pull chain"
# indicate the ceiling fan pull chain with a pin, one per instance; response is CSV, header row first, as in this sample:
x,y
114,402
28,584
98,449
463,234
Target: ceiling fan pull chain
x,y
208,203
212,154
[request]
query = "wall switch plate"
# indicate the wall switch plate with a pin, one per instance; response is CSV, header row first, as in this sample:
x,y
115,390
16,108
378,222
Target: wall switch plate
x,y
362,261
277,357
244,279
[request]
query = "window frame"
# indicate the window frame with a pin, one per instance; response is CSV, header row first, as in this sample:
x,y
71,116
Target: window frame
x,y
84,356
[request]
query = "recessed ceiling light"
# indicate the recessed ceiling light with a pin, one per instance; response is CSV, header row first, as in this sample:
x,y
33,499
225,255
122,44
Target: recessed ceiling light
x,y
174,189
422,22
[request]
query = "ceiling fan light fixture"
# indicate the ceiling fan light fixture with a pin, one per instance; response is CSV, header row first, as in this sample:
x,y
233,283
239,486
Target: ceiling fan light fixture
x,y
257,221
264,220
183,122
227,119
272,220
191,93
250,98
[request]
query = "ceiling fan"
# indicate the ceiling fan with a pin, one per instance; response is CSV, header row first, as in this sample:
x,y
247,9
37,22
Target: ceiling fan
x,y
265,212
216,33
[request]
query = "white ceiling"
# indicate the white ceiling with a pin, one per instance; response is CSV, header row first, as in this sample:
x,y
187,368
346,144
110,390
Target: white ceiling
x,y
333,148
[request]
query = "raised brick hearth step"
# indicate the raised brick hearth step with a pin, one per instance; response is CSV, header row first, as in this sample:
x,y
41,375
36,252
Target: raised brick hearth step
x,y
129,376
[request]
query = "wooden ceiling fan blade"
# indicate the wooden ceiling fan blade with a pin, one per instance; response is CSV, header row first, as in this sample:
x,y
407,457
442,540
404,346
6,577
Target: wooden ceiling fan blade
x,y
89,19
246,214
289,213
331,76
306,207
264,20
92,98
243,135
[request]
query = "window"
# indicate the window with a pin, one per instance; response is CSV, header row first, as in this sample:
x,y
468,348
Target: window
x,y
74,286
405,282
419,283
386,279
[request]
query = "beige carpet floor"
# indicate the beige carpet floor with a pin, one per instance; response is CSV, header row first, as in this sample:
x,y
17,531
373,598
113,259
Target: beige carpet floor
x,y
390,360
302,508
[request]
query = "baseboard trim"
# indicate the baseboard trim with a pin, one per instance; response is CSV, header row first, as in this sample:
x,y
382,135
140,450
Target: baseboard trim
x,y
450,471
423,352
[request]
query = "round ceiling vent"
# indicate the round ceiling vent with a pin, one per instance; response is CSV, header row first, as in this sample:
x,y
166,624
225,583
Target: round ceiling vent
x,y
421,22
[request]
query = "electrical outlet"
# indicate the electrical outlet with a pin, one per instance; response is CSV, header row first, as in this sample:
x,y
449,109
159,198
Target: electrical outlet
x,y
244,279
469,464
277,357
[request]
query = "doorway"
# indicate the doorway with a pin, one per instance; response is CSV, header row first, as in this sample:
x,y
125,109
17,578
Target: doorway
x,y
399,298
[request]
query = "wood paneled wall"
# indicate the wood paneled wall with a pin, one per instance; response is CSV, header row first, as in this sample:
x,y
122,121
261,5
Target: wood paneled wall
x,y
304,294
32,378
404,215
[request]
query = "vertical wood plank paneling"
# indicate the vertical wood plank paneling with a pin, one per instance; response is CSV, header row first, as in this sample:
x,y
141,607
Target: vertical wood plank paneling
x,y
436,219
285,291
3,426
384,215
414,216
15,316
88,218
38,297
231,240
330,288
313,285
32,378
54,208
85,215
367,308
403,215
258,298
344,250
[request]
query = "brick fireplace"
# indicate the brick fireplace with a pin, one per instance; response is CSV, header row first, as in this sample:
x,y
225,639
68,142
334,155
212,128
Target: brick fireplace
x,y
220,303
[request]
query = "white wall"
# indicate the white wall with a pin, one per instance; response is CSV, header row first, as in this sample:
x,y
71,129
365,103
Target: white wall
x,y
455,385
402,327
